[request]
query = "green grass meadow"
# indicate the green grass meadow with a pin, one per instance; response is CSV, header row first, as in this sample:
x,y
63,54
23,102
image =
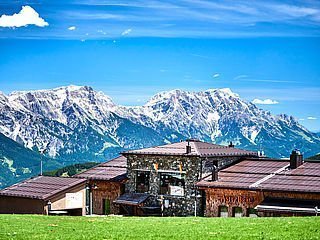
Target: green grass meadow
x,y
53,227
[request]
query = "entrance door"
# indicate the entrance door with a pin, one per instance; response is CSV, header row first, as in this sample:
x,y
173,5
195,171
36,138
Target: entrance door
x,y
106,206
203,203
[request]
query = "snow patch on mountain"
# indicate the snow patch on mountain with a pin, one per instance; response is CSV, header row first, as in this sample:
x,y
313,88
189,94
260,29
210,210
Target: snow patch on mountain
x,y
79,121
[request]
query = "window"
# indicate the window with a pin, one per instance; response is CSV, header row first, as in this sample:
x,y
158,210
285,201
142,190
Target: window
x,y
252,212
237,212
223,211
142,182
172,184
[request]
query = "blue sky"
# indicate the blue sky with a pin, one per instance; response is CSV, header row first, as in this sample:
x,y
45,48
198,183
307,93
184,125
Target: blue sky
x,y
134,49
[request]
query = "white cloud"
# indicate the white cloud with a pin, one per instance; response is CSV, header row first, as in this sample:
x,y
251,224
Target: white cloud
x,y
265,101
201,56
295,11
216,75
311,118
265,80
72,28
126,32
102,32
27,16
240,77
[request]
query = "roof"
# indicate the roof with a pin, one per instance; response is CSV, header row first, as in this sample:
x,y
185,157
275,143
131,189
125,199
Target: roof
x,y
198,148
273,175
41,187
132,198
114,170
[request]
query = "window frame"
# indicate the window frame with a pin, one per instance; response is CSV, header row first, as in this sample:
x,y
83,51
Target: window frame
x,y
219,211
136,180
234,209
183,178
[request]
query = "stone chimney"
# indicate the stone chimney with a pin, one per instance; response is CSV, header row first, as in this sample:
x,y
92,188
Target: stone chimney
x,y
296,159
188,147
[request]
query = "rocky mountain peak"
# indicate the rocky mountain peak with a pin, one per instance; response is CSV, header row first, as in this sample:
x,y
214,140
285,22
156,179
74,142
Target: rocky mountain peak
x,y
177,95
216,115
3,98
226,92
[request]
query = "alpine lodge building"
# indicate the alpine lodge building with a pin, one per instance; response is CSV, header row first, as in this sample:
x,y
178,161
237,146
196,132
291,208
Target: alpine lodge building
x,y
194,178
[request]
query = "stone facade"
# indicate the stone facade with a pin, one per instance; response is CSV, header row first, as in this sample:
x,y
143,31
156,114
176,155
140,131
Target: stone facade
x,y
244,199
191,167
105,190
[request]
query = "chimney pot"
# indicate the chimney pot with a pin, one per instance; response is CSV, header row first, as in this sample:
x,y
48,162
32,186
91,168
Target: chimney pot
x,y
188,149
214,176
296,159
231,145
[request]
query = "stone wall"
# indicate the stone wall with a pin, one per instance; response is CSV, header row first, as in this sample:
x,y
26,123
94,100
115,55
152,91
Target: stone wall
x,y
191,167
183,206
106,190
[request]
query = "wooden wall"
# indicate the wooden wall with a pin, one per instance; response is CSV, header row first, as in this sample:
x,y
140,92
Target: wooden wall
x,y
106,190
230,198
245,199
19,205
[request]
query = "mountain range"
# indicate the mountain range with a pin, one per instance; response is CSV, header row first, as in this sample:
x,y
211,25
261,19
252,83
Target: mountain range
x,y
77,124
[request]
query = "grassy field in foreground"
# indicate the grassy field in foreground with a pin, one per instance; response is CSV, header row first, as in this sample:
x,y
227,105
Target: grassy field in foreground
x,y
52,227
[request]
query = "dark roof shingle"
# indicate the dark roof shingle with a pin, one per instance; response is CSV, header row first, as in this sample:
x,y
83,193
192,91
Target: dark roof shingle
x,y
198,148
114,170
41,187
274,175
